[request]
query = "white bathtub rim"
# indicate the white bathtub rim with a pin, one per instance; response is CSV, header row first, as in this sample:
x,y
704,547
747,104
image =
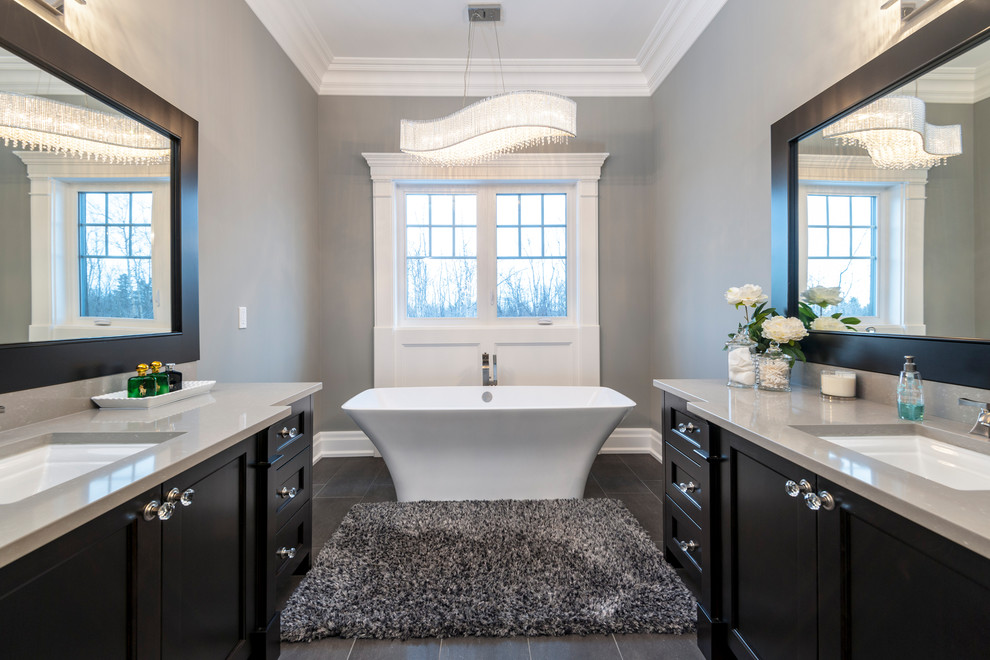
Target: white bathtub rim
x,y
367,401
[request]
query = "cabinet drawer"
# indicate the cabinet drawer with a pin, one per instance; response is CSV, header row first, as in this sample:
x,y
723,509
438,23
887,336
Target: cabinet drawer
x,y
689,435
687,484
295,538
292,485
684,540
287,437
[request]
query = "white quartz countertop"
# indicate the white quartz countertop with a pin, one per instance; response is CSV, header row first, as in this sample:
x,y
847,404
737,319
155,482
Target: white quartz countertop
x,y
767,419
208,424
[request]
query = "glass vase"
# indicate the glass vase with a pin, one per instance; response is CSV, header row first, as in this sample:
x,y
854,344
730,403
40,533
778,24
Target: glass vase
x,y
742,361
774,370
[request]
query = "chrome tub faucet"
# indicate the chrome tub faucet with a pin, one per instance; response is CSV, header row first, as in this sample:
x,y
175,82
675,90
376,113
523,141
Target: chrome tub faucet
x,y
489,374
982,425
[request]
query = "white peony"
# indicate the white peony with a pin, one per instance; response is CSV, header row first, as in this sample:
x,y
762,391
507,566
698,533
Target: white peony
x,y
783,329
823,296
828,323
749,295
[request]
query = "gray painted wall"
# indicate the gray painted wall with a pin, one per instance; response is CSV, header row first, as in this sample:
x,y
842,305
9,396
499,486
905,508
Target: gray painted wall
x,y
257,176
15,248
349,126
950,231
753,64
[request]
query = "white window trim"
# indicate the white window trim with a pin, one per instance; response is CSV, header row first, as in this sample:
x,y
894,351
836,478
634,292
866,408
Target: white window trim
x,y
580,170
54,260
905,254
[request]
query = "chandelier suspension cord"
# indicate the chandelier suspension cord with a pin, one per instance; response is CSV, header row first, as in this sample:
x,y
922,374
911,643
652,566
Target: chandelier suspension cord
x,y
467,64
498,49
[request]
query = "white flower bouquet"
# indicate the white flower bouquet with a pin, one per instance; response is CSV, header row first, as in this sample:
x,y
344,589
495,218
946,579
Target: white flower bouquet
x,y
823,297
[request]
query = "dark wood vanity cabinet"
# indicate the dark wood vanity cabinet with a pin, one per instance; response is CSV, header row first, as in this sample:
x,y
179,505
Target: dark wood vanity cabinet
x,y
286,498
122,586
199,584
848,580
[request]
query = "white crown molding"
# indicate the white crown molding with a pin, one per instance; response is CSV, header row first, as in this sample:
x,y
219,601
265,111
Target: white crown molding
x,y
372,76
954,85
671,37
680,25
293,29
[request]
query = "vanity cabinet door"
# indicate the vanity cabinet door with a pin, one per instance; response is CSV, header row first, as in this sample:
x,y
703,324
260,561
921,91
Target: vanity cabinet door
x,y
208,559
769,599
892,589
92,593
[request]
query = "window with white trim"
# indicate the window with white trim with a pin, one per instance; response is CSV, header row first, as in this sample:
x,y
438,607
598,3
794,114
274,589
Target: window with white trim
x,y
842,247
489,253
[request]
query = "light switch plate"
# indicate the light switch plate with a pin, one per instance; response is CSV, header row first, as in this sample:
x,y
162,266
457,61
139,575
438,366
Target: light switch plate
x,y
241,318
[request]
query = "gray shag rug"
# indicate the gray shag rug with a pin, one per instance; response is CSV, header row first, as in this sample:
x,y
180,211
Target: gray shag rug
x,y
397,570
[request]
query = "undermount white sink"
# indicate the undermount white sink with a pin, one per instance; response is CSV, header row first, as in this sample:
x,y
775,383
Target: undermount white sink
x,y
31,466
914,449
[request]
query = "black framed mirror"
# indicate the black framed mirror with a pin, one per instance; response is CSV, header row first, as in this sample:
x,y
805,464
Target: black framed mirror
x,y
99,306
961,360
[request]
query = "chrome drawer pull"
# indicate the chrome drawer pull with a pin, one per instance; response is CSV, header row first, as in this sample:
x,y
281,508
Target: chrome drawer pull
x,y
286,492
794,489
688,428
284,433
688,546
689,487
285,553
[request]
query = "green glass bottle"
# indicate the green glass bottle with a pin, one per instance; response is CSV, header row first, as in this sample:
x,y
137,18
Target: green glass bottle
x,y
160,377
141,385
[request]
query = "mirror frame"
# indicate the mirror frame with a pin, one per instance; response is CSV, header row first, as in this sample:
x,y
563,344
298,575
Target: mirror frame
x,y
36,364
948,360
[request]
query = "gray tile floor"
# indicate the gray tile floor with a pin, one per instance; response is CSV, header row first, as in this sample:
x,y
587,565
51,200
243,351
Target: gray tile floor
x,y
636,479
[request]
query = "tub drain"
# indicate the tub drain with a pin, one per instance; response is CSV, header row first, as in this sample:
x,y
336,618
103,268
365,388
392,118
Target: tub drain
x,y
486,396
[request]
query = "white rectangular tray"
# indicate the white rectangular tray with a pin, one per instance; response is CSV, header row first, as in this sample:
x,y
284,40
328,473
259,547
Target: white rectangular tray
x,y
121,400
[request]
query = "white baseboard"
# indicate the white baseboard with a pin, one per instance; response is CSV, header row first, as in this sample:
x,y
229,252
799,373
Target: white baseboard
x,y
355,443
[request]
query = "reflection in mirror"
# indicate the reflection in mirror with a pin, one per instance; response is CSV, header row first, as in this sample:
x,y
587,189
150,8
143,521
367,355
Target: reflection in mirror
x,y
901,235
84,214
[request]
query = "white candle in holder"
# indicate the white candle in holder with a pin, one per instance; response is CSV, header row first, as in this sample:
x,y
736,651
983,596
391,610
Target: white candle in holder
x,y
839,383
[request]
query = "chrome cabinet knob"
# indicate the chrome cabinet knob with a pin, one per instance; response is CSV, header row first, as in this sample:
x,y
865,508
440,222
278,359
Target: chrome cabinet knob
x,y
688,428
688,546
155,509
682,428
689,487
284,433
822,500
293,432
285,553
185,498
795,488
286,492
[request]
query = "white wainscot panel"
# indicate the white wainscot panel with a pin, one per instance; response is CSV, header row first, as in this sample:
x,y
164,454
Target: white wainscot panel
x,y
423,365
537,363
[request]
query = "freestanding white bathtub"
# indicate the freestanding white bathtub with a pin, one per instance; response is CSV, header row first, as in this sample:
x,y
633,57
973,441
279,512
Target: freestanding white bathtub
x,y
488,443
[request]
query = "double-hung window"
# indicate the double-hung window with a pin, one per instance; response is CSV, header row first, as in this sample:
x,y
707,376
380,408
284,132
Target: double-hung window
x,y
491,253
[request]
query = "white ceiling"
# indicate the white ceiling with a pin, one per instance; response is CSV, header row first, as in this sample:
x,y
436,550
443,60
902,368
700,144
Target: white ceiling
x,y
418,47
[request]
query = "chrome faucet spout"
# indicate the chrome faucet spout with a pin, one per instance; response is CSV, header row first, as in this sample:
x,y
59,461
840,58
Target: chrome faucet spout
x,y
982,425
489,372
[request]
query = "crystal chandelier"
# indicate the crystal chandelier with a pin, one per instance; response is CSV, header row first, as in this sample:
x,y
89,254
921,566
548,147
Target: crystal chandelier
x,y
42,124
894,132
493,126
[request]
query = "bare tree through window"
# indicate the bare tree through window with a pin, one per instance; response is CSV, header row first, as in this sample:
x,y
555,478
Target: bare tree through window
x,y
115,255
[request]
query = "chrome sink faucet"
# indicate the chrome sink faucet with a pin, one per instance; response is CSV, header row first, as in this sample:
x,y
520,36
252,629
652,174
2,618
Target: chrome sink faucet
x,y
489,374
982,426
